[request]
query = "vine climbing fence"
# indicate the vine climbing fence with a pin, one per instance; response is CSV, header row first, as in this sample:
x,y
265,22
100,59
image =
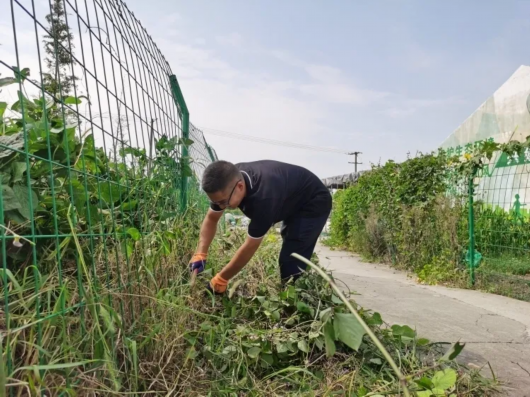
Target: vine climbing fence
x,y
98,160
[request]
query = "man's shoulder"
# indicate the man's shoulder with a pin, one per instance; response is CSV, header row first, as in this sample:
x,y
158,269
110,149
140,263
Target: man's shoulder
x,y
265,165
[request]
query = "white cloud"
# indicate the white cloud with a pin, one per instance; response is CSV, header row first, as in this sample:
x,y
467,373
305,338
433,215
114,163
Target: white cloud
x,y
341,94
172,18
233,40
324,73
406,106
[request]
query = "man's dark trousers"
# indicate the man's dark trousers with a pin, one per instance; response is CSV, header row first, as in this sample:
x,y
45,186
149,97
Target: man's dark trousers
x,y
300,235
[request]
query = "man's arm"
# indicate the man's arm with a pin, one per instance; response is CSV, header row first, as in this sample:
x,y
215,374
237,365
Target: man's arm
x,y
241,258
208,230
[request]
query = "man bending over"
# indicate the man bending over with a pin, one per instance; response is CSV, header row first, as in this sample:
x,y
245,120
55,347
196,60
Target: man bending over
x,y
267,192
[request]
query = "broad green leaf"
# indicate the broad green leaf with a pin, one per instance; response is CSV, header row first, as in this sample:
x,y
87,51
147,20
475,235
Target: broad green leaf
x,y
9,200
5,178
20,75
254,352
423,342
78,193
362,391
453,352
424,393
425,383
403,331
282,347
302,307
329,339
229,350
110,192
15,141
15,216
92,215
127,247
375,319
129,205
302,345
19,168
185,141
134,233
267,358
336,300
325,314
23,197
444,379
186,170
348,330
72,100
26,102
22,194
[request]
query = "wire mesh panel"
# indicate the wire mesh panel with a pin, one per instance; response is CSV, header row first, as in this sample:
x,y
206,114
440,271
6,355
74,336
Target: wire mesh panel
x,y
200,152
502,225
91,162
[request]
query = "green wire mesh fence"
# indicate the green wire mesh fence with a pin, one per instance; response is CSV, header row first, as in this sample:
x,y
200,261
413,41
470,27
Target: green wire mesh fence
x,y
96,153
501,225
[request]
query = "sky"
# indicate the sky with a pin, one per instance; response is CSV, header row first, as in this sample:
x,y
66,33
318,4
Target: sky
x,y
385,78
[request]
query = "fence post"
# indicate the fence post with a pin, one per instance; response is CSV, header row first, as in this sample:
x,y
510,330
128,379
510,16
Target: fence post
x,y
212,157
471,229
181,105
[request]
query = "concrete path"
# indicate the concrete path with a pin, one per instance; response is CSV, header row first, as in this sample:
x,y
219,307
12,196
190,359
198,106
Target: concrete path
x,y
495,328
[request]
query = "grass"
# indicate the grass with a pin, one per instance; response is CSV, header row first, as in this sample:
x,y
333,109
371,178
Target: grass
x,y
159,336
505,275
517,266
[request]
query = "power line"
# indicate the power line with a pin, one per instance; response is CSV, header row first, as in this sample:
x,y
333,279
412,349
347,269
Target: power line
x,y
253,138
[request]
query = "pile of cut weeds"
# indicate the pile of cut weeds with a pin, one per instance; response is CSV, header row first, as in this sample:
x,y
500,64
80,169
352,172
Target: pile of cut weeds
x,y
265,339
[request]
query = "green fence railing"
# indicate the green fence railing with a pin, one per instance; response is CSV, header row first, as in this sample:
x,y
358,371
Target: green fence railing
x,y
500,224
97,163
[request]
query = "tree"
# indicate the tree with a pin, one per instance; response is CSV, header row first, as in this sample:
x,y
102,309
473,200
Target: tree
x,y
58,44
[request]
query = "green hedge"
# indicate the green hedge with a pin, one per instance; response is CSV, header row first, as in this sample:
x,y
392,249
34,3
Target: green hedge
x,y
415,215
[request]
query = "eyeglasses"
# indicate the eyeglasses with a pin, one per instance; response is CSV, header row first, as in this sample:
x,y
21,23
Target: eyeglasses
x,y
225,203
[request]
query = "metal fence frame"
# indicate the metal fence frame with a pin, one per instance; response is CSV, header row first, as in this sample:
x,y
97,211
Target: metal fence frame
x,y
87,172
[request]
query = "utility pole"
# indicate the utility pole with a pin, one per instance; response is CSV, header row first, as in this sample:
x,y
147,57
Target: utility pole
x,y
354,162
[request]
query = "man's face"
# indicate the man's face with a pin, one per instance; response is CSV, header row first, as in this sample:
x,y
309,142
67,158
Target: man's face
x,y
231,196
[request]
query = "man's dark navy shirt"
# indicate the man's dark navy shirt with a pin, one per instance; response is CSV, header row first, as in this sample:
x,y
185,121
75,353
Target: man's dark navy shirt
x,y
279,192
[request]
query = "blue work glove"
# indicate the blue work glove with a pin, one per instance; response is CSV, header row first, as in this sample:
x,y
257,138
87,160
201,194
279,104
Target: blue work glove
x,y
198,262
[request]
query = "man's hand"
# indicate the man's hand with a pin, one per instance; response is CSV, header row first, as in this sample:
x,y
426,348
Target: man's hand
x,y
198,262
217,285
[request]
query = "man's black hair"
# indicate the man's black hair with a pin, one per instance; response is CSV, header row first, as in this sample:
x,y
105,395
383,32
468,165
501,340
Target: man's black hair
x,y
218,175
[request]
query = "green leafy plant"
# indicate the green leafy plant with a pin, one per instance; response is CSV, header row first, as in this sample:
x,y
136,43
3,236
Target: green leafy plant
x,y
415,216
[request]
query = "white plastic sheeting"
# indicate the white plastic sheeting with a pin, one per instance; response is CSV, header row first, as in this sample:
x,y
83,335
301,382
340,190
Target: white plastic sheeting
x,y
504,117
